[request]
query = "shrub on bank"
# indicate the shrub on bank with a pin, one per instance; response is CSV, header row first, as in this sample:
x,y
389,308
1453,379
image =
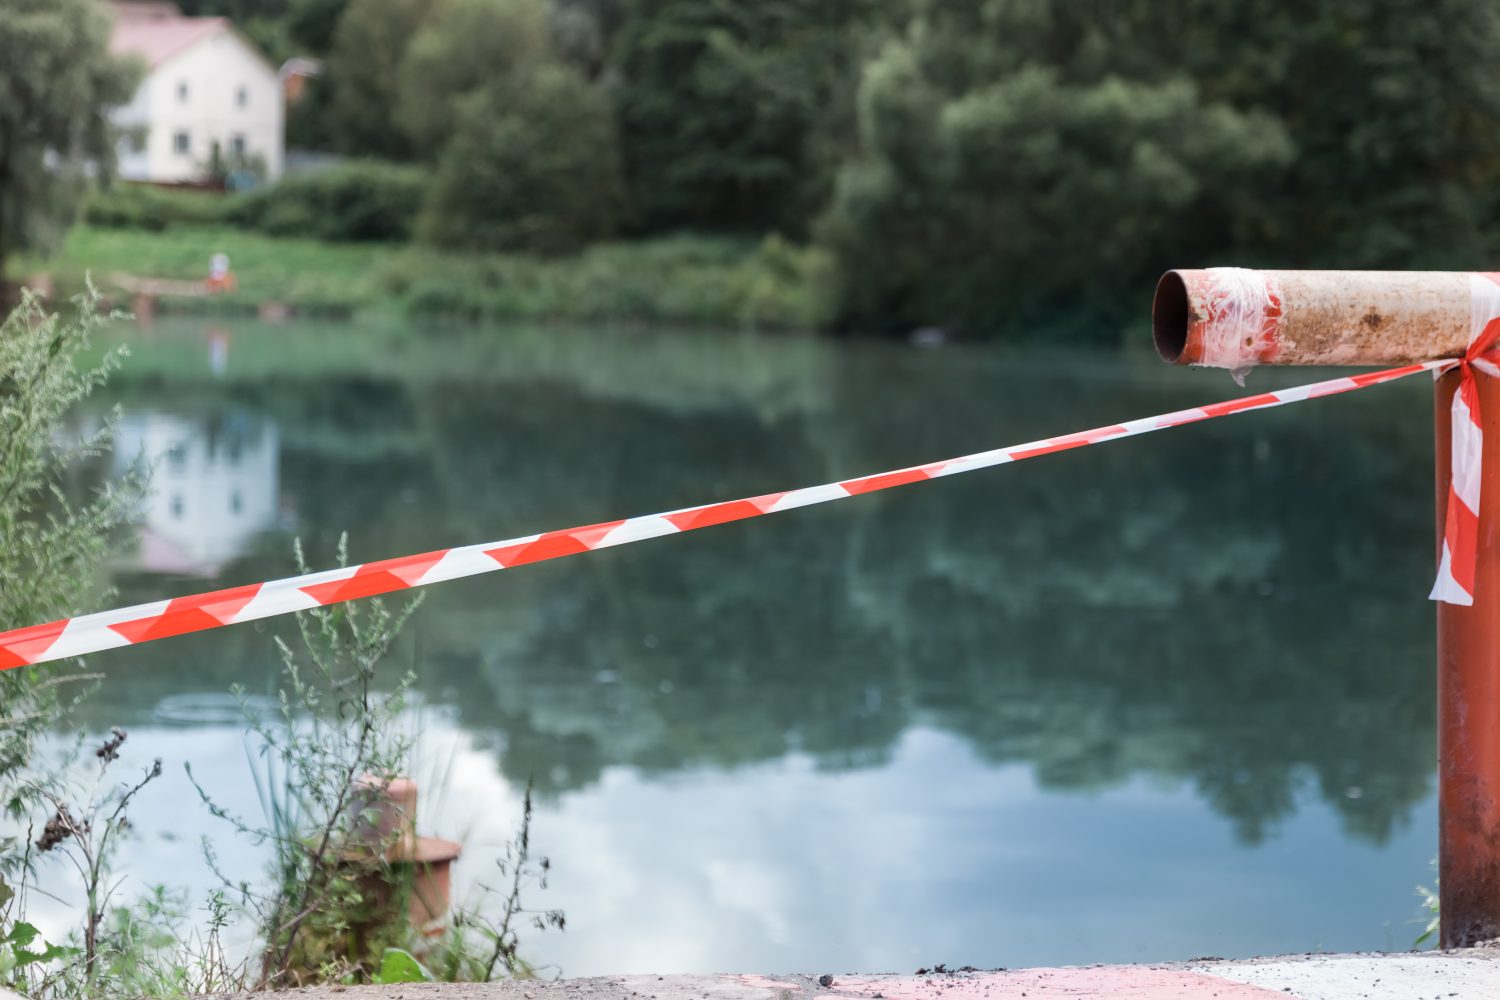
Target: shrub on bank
x,y
535,168
685,280
142,206
358,201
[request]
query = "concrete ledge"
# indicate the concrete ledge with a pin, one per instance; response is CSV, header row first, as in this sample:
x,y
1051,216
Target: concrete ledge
x,y
1458,975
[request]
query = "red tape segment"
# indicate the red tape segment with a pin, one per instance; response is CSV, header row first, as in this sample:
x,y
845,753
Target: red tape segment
x,y
1460,554
162,619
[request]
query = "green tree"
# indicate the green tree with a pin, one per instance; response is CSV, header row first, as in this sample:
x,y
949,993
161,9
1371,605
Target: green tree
x,y
1031,202
57,83
463,46
533,168
1390,104
313,22
582,30
236,10
733,114
1394,111
369,45
1016,167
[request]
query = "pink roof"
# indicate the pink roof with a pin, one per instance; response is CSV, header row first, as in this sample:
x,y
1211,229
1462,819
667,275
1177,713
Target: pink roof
x,y
156,32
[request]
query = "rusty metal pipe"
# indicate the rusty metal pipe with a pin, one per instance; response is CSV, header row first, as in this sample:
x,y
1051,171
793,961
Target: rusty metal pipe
x,y
1235,318
1229,317
1468,653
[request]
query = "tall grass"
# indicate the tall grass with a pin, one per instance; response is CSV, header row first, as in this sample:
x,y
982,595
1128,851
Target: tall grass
x,y
681,280
333,904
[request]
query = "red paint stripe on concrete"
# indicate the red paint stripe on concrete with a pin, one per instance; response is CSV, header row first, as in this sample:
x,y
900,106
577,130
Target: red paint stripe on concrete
x,y
1133,982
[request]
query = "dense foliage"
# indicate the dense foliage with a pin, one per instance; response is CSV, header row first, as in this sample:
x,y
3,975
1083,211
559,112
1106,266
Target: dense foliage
x,y
129,206
1026,163
355,201
1010,201
533,168
369,40
1000,167
464,46
732,114
358,200
57,81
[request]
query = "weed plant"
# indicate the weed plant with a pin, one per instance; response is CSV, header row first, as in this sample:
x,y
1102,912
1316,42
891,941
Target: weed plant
x,y
334,905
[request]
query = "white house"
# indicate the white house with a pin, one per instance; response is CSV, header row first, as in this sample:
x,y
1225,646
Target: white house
x,y
206,88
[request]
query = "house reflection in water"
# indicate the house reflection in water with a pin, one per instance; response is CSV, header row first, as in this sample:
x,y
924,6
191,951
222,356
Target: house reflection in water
x,y
214,487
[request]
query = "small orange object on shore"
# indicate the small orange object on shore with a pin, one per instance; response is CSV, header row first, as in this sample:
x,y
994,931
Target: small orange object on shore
x,y
220,278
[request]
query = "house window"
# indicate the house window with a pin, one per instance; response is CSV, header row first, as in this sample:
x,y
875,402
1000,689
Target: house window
x,y
242,97
182,92
177,457
182,143
236,502
237,147
135,139
177,507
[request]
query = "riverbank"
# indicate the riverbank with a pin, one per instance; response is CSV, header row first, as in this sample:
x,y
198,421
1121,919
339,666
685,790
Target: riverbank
x,y
1461,975
675,281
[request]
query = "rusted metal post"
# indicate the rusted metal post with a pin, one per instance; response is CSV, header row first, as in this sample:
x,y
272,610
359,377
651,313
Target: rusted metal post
x,y
1232,318
1469,704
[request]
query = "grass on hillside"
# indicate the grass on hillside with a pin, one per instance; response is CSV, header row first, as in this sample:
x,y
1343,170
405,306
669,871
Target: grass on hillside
x,y
302,273
679,280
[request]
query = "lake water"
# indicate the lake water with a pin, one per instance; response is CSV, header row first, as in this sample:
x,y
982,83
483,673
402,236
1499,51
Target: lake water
x,y
1163,698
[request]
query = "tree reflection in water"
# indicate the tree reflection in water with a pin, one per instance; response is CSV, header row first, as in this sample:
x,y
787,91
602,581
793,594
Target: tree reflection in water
x,y
1238,606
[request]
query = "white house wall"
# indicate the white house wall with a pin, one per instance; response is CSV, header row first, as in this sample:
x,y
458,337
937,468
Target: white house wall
x,y
134,162
213,69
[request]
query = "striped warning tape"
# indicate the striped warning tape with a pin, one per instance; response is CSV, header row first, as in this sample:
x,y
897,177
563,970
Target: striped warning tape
x,y
161,619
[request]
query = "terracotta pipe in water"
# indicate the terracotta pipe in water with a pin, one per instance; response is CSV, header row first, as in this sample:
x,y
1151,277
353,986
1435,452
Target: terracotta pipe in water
x,y
386,813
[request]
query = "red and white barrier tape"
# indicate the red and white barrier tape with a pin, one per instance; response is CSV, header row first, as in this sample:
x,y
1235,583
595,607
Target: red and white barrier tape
x,y
1456,567
161,619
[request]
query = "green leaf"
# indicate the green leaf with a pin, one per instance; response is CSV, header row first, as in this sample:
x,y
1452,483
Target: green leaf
x,y
50,953
398,966
22,934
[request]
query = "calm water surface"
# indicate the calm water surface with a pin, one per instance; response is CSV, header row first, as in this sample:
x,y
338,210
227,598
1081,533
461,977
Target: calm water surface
x,y
1164,698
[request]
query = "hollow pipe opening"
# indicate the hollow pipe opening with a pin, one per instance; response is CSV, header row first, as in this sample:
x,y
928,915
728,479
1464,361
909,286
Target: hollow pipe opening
x,y
1169,317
